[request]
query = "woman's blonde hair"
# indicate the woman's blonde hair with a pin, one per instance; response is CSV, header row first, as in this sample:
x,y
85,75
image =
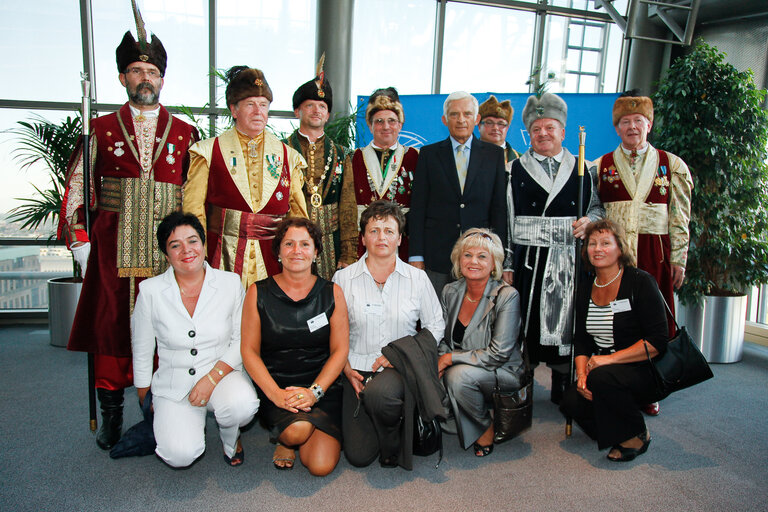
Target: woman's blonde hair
x,y
484,239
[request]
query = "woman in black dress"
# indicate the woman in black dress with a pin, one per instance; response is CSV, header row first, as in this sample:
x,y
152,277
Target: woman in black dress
x,y
295,340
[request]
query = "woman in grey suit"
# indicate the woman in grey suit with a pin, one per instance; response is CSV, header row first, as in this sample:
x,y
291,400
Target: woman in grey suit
x,y
482,323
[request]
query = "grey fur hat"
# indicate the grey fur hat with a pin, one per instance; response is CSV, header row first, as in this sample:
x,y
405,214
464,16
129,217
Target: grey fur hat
x,y
550,106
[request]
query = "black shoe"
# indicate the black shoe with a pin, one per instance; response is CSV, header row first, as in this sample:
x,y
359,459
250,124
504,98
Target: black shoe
x,y
111,417
559,385
628,454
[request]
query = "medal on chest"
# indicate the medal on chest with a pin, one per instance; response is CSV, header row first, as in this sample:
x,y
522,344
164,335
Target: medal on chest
x,y
610,175
661,180
169,158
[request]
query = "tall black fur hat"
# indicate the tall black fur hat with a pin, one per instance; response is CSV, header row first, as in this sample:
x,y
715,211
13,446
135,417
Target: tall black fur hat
x,y
130,50
318,88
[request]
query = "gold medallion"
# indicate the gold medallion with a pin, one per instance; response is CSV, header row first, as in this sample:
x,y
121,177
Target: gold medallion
x,y
316,200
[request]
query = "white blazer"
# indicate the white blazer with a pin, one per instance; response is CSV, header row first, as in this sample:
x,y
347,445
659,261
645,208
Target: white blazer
x,y
187,347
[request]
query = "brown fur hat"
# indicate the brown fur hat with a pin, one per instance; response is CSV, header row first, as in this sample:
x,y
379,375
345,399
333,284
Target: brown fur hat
x,y
244,82
384,99
131,50
626,105
492,108
549,106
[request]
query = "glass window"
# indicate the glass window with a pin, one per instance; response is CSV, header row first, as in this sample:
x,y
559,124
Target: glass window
x,y
581,56
18,182
392,45
183,29
275,36
589,5
486,49
42,53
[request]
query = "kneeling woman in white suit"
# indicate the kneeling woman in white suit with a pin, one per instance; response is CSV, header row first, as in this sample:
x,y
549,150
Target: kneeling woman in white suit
x,y
192,312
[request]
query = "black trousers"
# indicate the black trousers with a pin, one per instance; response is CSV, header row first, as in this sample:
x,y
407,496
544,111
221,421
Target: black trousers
x,y
618,392
372,427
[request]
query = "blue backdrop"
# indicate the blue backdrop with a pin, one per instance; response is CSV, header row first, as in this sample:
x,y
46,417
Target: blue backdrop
x,y
423,125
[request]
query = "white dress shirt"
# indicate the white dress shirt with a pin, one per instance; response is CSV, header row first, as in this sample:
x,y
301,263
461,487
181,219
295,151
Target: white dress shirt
x,y
380,316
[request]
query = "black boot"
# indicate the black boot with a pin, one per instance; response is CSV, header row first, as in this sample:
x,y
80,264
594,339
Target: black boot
x,y
559,385
111,417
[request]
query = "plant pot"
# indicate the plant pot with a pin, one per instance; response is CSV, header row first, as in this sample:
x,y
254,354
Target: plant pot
x,y
717,327
63,295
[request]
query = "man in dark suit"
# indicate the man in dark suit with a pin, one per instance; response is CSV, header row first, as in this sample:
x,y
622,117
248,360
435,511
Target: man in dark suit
x,y
459,184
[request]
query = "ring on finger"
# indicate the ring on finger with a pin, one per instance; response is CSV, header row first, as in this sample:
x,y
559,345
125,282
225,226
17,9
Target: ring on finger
x,y
300,396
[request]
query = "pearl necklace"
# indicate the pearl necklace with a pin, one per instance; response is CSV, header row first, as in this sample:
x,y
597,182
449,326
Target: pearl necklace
x,y
609,282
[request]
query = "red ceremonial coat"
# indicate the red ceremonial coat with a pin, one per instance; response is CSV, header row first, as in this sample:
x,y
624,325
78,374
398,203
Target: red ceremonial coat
x,y
102,319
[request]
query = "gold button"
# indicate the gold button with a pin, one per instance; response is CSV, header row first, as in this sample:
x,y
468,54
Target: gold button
x,y
109,134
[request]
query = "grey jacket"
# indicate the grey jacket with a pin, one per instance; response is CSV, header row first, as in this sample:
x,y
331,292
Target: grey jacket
x,y
491,340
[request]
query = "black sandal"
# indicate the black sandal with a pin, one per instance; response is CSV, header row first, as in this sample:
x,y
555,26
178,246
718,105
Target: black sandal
x,y
628,454
482,451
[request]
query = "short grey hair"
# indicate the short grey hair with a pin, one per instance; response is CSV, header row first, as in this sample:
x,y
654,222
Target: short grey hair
x,y
484,239
460,95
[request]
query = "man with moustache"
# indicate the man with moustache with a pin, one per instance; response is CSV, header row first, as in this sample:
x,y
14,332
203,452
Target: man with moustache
x,y
648,191
139,159
459,183
243,182
327,164
543,225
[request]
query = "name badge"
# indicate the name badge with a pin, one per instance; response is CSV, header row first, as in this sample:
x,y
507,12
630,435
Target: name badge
x,y
317,322
374,308
619,306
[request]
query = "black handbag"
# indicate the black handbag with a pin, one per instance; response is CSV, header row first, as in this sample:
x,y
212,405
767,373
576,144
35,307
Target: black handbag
x,y
427,437
513,410
682,365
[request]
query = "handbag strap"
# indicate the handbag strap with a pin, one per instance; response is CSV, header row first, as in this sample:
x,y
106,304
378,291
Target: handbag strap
x,y
669,311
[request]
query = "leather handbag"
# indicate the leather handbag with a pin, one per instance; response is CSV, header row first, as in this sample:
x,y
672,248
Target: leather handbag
x,y
513,410
427,436
682,365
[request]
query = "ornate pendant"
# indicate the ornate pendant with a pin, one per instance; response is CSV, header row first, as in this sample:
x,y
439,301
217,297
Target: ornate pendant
x,y
119,149
316,200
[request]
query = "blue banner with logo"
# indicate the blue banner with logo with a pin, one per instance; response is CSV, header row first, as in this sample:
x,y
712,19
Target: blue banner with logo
x,y
423,124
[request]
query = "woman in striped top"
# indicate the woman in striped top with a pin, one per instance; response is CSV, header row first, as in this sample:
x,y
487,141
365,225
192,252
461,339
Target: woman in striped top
x,y
617,314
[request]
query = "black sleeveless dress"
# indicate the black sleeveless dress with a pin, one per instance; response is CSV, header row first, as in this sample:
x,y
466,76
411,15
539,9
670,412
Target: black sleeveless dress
x,y
295,356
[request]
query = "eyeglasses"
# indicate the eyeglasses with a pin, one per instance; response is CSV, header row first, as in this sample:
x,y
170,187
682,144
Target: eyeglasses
x,y
491,124
151,73
381,122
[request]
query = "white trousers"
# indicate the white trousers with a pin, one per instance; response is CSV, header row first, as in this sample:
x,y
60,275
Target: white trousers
x,y
180,427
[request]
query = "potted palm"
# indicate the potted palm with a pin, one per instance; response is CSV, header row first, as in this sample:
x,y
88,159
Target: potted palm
x,y
712,116
40,141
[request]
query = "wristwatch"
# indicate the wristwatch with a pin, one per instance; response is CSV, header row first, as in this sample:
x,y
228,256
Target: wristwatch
x,y
317,390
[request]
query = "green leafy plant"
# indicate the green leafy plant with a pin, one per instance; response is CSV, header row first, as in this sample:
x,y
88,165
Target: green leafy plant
x,y
712,116
41,141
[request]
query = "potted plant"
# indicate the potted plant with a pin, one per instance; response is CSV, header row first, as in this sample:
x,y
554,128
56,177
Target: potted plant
x,y
712,116
41,141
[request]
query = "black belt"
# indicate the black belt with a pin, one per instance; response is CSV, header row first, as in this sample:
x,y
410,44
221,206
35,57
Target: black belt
x,y
604,351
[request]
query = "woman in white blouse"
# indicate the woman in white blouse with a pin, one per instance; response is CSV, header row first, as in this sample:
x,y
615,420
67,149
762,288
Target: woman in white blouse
x,y
386,298
192,314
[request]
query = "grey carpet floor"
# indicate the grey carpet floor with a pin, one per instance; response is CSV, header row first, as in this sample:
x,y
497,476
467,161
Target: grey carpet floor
x,y
709,452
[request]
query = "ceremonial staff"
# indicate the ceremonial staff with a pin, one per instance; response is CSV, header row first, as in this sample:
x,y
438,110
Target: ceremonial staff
x,y
87,201
577,272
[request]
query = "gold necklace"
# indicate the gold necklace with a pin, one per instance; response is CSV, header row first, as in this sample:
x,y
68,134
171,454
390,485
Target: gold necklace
x,y
466,296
